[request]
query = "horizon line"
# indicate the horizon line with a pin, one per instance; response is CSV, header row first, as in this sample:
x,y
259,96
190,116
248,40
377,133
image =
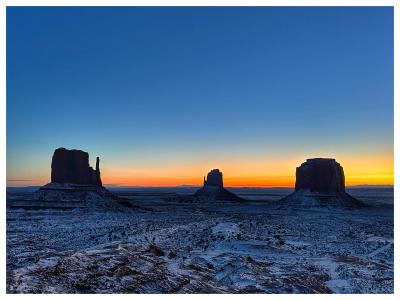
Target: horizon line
x,y
199,186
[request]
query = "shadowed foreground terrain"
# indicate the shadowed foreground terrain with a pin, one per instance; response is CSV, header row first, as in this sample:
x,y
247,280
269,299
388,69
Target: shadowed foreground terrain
x,y
163,242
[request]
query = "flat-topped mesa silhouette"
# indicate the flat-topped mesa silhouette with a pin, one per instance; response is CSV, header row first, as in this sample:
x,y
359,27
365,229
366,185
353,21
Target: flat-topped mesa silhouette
x,y
213,189
321,182
322,175
74,184
72,166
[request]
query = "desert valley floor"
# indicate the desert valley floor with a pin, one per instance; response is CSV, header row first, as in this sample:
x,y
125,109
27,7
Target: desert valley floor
x,y
162,243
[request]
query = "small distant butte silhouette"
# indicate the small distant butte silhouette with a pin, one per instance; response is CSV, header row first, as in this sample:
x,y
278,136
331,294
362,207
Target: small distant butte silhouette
x,y
213,189
321,182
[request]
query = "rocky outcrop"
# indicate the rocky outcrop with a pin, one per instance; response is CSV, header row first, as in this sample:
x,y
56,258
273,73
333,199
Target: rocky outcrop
x,y
214,178
213,189
74,185
320,182
72,166
322,175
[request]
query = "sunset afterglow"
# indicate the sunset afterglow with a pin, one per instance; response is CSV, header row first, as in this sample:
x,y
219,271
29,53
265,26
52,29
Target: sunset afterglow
x,y
263,173
200,149
164,97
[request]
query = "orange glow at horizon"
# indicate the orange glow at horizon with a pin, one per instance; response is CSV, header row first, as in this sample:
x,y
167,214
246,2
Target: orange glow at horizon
x,y
362,171
289,181
280,172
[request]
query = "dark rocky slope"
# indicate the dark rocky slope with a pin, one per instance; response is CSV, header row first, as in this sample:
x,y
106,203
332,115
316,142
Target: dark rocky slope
x,y
74,185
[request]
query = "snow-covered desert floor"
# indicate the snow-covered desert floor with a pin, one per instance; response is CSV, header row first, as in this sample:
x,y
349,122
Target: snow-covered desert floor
x,y
165,244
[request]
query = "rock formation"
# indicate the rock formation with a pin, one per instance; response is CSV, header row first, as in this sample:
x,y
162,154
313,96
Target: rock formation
x,y
72,166
322,175
214,178
213,189
320,182
74,184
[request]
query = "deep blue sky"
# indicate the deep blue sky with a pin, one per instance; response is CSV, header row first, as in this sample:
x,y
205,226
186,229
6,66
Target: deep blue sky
x,y
161,88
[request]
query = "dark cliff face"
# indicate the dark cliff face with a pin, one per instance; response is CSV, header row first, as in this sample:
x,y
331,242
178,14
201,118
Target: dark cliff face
x,y
322,175
214,178
72,166
320,183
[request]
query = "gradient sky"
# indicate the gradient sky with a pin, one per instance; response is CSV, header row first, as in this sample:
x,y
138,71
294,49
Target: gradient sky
x,y
163,95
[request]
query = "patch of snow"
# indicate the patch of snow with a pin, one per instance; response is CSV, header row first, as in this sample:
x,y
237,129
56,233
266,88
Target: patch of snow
x,y
225,228
337,285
